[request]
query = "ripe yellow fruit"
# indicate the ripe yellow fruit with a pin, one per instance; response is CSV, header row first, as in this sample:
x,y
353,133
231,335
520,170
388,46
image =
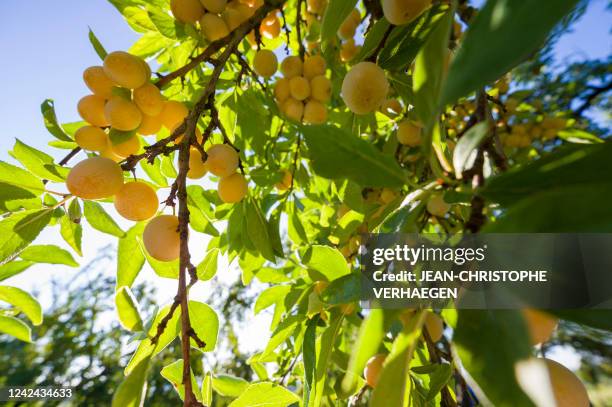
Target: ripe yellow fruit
x,y
129,147
126,70
236,14
291,67
270,26
122,114
95,178
293,109
285,183
109,153
282,90
213,27
320,286
437,206
314,66
299,87
91,138
214,6
98,82
197,167
222,160
321,88
149,99
409,133
539,324
173,114
364,88
136,201
265,63
387,195
150,125
232,188
349,50
567,388
349,25
391,108
315,112
399,12
161,238
198,135
372,370
434,326
91,109
187,11
316,6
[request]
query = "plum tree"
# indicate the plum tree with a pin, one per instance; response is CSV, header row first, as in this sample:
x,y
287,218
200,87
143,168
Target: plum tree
x,y
315,112
122,114
127,147
282,91
409,133
161,238
187,11
265,63
567,388
293,109
434,326
214,6
126,70
391,108
285,182
540,325
95,178
321,88
149,100
349,50
270,26
233,188
364,88
292,66
91,109
213,27
91,138
299,87
437,206
197,167
98,82
222,160
150,125
373,367
349,25
173,114
313,66
400,12
136,201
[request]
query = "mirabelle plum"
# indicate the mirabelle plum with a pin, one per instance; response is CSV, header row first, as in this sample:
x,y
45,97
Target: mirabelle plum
x,y
91,138
214,6
321,88
91,109
282,90
136,201
349,25
316,6
291,67
270,26
265,63
348,308
150,125
232,188
372,370
437,206
314,66
173,114
387,195
364,88
149,100
399,12
222,160
409,133
320,286
98,82
349,50
187,11
293,109
125,69
213,27
161,238
315,112
568,390
391,108
95,178
235,14
122,114
434,326
197,167
198,134
285,183
539,324
110,154
129,147
299,87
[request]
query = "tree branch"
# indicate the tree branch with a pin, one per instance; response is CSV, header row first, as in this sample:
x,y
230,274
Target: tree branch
x,y
591,97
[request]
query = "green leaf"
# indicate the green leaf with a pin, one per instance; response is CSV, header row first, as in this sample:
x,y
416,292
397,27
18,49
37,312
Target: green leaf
x,y
343,290
23,301
265,394
207,395
127,309
132,389
72,233
38,163
118,136
97,45
16,176
149,44
325,346
154,173
503,34
174,374
270,296
229,386
19,230
14,198
309,357
288,327
208,267
257,229
375,35
13,268
335,14
579,136
328,263
100,220
49,254
489,344
336,153
130,258
467,145
596,318
165,269
164,23
205,323
15,328
48,111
